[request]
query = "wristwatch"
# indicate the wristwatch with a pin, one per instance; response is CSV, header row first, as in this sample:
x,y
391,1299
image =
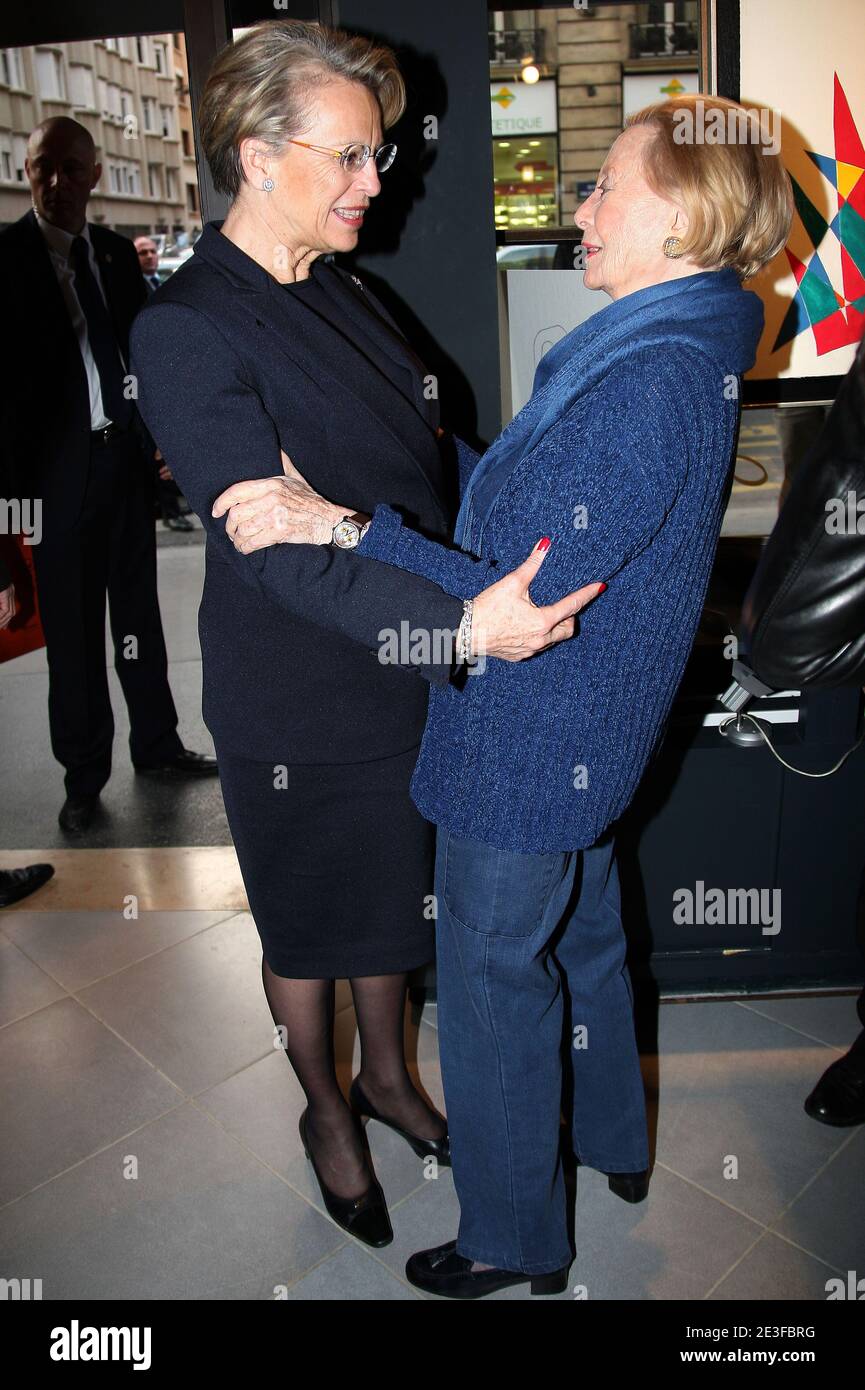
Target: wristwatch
x,y
349,532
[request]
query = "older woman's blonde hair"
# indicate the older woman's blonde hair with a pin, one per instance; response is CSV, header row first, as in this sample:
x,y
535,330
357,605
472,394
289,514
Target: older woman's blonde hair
x,y
737,193
262,86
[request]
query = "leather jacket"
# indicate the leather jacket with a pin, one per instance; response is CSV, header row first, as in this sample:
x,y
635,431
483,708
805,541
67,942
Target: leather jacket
x,y
803,619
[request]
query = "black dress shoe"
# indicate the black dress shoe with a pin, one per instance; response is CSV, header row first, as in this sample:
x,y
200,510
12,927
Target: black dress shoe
x,y
365,1217
183,764
439,1149
175,522
839,1096
16,884
444,1272
77,812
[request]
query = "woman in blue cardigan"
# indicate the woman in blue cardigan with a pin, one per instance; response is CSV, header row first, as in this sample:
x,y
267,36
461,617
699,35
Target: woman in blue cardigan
x,y
621,460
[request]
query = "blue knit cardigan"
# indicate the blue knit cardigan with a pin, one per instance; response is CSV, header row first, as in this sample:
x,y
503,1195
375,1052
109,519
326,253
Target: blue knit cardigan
x,y
622,457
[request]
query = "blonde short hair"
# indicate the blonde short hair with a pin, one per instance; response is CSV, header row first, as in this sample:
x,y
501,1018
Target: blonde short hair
x,y
262,85
736,193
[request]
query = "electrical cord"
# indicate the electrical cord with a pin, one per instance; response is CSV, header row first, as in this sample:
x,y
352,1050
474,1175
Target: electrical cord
x,y
751,482
734,718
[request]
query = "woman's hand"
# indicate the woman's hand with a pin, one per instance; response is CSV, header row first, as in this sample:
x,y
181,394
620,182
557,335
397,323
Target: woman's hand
x,y
505,622
270,511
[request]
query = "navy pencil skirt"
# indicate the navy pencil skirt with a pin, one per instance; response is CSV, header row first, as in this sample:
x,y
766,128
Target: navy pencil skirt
x,y
337,864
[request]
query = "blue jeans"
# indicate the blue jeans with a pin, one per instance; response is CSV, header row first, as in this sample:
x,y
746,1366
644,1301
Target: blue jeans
x,y
509,927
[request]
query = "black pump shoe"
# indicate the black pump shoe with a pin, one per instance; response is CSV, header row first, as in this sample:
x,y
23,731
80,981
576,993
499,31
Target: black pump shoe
x,y
365,1217
442,1271
439,1149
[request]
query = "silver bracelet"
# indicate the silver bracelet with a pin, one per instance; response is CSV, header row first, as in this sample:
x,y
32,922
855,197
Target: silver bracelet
x,y
464,632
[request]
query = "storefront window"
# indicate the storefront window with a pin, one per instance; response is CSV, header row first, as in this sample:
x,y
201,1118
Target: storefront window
x,y
526,182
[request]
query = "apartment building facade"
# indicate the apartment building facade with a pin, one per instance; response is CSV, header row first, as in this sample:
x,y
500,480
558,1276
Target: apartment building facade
x,y
132,94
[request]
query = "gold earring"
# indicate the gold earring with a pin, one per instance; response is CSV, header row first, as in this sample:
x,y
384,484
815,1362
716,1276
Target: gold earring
x,y
673,247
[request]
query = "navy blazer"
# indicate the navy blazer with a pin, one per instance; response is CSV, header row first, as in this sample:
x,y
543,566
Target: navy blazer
x,y
231,366
46,403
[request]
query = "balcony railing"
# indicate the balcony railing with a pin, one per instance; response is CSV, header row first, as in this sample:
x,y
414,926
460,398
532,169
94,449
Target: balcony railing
x,y
659,40
516,45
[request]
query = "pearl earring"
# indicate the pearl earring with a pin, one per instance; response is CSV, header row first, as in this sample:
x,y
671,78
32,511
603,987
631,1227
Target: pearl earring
x,y
673,247
268,185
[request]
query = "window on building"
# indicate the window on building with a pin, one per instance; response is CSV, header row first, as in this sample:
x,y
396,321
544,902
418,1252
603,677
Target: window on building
x,y
159,58
19,154
11,68
166,116
148,107
7,169
154,181
50,78
171,185
191,198
186,141
141,49
81,92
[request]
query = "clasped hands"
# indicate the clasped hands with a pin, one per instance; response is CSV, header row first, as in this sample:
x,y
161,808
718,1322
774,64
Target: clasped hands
x,y
506,623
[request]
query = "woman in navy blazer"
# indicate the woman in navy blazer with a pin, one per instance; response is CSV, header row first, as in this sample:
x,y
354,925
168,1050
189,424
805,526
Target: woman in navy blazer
x,y
258,349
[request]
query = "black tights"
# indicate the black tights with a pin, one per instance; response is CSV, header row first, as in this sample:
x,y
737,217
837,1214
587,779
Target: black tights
x,y
304,1010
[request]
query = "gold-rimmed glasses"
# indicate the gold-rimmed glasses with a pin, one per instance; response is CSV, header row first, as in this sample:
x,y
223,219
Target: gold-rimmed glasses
x,y
353,158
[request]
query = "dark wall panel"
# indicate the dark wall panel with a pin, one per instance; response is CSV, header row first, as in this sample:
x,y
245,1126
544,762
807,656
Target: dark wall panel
x,y
429,245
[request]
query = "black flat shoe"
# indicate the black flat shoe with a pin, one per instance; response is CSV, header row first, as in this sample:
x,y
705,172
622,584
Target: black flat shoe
x,y
839,1096
16,884
365,1217
442,1271
439,1149
631,1187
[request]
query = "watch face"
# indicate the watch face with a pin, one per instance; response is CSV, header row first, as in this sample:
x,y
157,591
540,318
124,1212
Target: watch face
x,y
346,534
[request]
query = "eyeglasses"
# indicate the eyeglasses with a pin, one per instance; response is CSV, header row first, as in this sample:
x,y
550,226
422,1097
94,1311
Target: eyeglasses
x,y
353,158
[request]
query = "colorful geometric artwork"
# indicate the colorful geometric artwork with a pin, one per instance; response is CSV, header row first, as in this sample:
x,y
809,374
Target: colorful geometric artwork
x,y
836,319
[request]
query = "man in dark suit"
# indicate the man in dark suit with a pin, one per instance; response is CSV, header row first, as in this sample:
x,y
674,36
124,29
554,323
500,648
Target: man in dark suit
x,y
172,503
148,259
82,459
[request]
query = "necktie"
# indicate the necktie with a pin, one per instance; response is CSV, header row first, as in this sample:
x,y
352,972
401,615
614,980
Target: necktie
x,y
100,332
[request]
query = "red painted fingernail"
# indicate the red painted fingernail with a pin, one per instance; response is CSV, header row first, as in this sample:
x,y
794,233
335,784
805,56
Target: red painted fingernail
x,y
544,544
602,588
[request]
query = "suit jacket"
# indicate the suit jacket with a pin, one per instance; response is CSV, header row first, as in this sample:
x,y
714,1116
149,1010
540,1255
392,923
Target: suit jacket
x,y
46,402
231,367
803,620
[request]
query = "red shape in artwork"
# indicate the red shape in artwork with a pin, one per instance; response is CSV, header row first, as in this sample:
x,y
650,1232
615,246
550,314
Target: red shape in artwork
x,y
848,147
853,279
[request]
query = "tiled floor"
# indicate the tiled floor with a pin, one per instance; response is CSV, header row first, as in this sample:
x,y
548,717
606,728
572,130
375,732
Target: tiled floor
x,y
151,1147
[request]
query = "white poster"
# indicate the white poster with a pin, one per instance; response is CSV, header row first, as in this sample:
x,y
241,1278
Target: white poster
x,y
641,89
524,108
